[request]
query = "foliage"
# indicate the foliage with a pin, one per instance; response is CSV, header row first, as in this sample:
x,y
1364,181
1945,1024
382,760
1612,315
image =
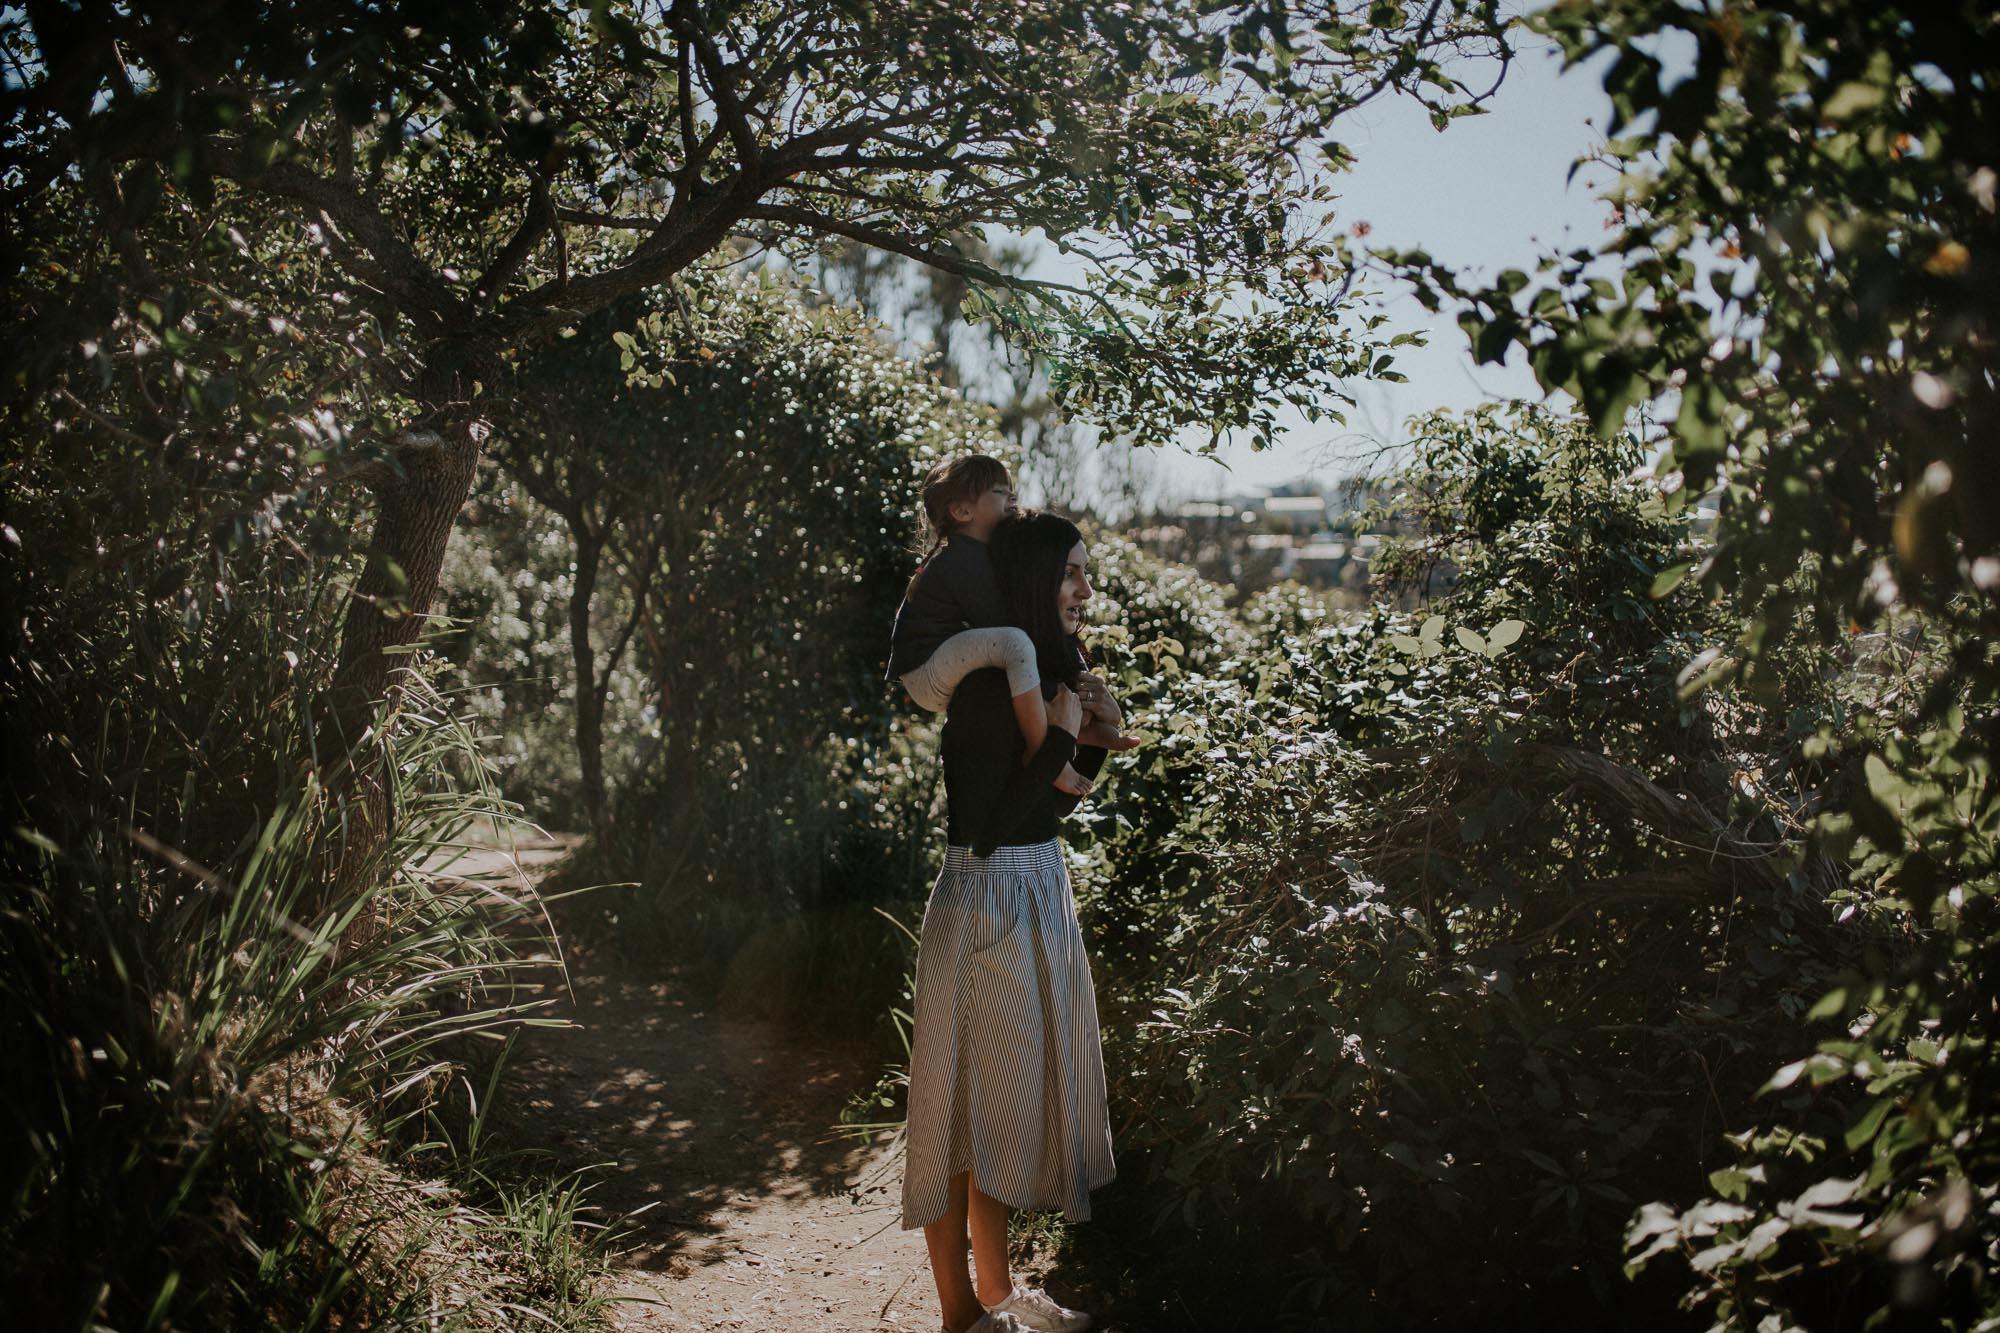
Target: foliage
x,y
479,179
1488,926
221,1062
1805,260
221,1070
506,590
753,486
777,447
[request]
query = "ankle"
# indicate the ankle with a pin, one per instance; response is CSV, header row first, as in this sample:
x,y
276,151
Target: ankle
x,y
990,1298
962,1321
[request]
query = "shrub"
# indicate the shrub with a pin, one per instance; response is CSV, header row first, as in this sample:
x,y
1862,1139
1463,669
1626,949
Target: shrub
x,y
220,1063
228,1070
1486,935
759,471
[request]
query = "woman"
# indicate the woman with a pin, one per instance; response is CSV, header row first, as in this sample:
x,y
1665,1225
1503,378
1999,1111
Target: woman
x,y
1007,1106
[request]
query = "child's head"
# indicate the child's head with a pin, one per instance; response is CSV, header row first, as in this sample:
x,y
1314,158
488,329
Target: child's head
x,y
968,495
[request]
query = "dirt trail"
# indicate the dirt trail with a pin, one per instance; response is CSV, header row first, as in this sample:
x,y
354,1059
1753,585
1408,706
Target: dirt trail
x,y
709,1130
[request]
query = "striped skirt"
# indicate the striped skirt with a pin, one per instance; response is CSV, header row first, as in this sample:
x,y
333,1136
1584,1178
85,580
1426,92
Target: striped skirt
x,y
1006,1070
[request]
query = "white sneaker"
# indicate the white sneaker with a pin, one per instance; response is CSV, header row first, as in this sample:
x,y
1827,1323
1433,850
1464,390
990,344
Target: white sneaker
x,y
993,1322
1034,1310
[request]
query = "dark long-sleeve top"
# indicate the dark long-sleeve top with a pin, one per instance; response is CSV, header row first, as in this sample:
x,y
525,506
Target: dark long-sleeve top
x,y
954,590
994,799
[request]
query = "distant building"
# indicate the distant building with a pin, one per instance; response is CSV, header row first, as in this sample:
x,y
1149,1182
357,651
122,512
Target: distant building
x,y
1274,549
1291,531
1301,515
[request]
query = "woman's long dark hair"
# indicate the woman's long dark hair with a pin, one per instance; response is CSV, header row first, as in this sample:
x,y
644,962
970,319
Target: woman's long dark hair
x,y
1030,553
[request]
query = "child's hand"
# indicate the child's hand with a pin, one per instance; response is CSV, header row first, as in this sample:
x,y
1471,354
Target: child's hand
x,y
1072,782
1107,737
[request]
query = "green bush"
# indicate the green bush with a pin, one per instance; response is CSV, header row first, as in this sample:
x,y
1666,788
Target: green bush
x,y
759,472
504,595
224,1072
1487,935
1803,228
218,1064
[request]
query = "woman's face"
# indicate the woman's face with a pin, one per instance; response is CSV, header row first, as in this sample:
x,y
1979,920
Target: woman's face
x,y
1075,589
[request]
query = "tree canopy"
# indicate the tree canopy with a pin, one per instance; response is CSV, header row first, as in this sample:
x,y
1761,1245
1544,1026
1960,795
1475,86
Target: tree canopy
x,y
477,176
486,172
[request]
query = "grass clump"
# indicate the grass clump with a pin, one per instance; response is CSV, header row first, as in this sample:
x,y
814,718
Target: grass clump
x,y
226,1073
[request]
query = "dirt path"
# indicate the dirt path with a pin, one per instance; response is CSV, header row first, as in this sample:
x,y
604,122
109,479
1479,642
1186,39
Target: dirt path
x,y
710,1132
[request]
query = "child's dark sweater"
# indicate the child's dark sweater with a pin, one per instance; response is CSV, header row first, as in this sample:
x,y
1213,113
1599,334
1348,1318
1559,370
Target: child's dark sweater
x,y
954,590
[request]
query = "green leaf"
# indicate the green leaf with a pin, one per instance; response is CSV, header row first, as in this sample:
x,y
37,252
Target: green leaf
x,y
1470,640
1886,785
1711,666
1715,1256
1506,633
1784,1078
1764,1237
1850,99
1730,1182
1812,1204
1864,1129
1669,578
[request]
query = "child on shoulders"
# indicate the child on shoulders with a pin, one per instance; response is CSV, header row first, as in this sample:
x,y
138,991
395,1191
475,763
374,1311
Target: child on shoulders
x,y
951,622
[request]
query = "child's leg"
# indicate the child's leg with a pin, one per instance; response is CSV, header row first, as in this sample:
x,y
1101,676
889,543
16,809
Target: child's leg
x,y
931,685
1073,782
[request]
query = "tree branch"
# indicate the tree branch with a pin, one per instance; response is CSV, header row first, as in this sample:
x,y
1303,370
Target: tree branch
x,y
534,225
687,25
641,587
584,217
423,293
1678,818
908,247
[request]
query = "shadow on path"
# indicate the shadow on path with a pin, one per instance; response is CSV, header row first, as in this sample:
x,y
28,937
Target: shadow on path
x,y
708,1133
691,1115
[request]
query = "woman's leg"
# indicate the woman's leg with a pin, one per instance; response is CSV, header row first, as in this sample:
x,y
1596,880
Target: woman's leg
x,y
945,1238
988,1219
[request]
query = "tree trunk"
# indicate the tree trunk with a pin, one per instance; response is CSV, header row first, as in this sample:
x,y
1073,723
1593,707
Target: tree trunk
x,y
589,703
418,503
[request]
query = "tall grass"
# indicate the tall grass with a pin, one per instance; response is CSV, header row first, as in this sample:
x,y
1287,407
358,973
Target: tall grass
x,y
222,1081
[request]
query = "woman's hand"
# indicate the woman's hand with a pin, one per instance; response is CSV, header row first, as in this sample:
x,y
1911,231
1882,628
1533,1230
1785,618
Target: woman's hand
x,y
1098,700
1066,710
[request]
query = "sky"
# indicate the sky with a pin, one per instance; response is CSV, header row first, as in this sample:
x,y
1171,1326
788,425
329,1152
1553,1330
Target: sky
x,y
1488,193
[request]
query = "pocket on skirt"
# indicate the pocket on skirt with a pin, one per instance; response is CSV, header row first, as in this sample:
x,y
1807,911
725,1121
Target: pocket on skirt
x,y
1007,1026
993,918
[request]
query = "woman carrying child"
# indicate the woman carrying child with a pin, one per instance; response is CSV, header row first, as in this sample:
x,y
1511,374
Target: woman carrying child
x,y
1007,1099
952,623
